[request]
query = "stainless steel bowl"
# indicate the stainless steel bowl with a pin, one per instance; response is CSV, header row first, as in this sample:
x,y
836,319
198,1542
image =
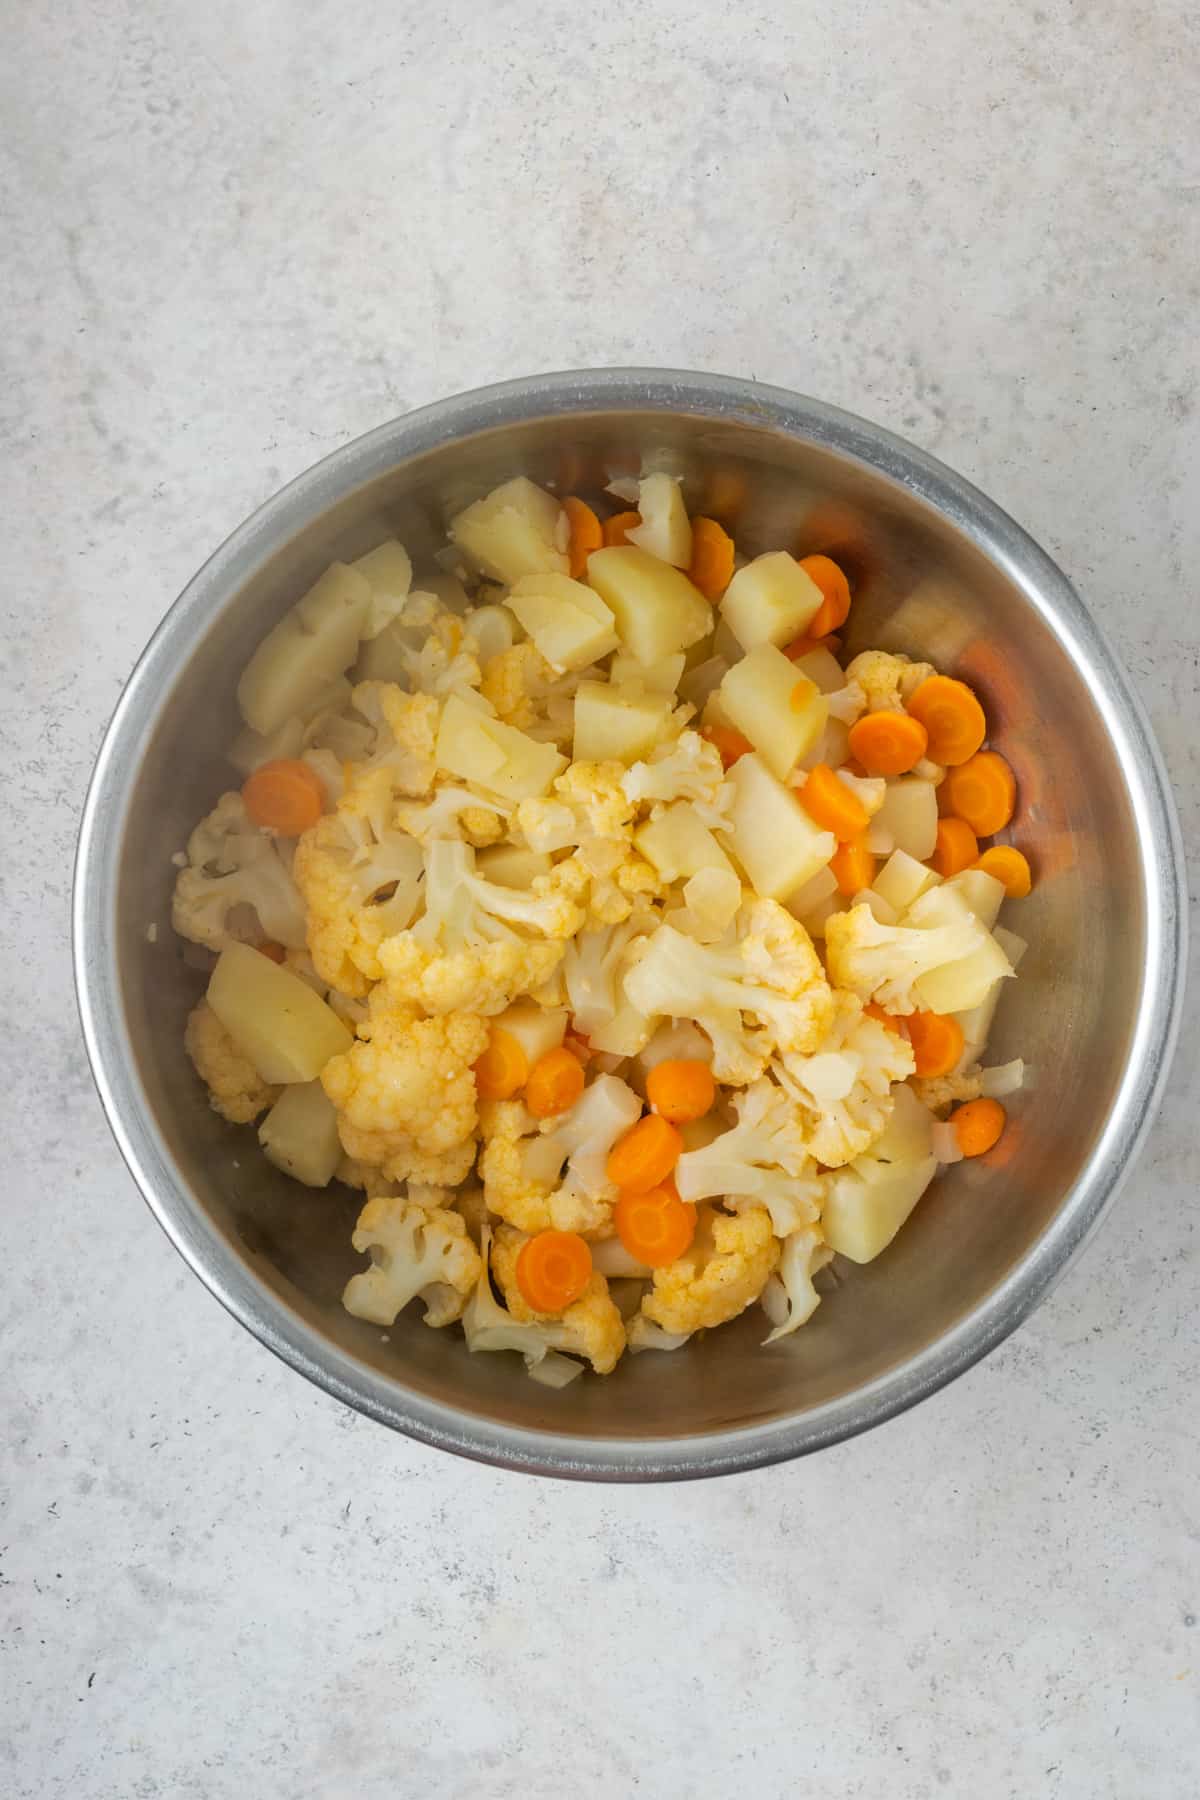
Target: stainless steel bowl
x,y
937,570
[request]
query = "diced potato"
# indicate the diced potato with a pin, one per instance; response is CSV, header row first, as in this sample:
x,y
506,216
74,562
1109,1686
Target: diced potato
x,y
619,723
770,833
388,569
957,986
300,1134
512,532
568,623
883,910
314,642
657,610
250,750
491,627
536,1028
679,844
909,815
712,897
508,865
817,888
781,712
494,755
867,1202
903,879
814,921
981,892
665,530
822,667
976,1024
626,1033
662,677
274,1018
907,1136
770,601
382,658
701,680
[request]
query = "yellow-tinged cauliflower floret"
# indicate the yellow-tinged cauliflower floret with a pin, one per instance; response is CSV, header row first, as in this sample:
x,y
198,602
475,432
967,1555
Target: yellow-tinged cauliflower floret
x,y
591,1326
590,814
724,1272
513,680
842,1092
358,890
234,1087
235,874
881,962
453,812
763,1160
444,662
887,679
517,1167
939,1092
790,1297
689,769
402,761
414,1249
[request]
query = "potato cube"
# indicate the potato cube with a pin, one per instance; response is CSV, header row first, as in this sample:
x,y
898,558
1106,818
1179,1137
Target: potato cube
x,y
274,1018
508,865
679,844
388,569
512,531
770,600
782,713
300,1134
902,880
907,820
657,610
777,843
981,892
536,1028
620,723
311,645
867,1202
494,755
665,530
660,678
568,623
821,666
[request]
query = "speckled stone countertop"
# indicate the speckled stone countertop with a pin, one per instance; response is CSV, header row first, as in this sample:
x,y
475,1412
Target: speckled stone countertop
x,y
235,236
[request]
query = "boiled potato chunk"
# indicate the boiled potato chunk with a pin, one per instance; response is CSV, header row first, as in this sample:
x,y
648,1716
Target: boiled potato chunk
x,y
903,879
770,833
958,986
388,569
273,1017
770,601
620,723
867,1202
907,820
657,610
491,627
508,865
908,1135
536,1028
981,892
512,531
665,530
662,677
782,713
300,1134
311,645
679,844
250,750
822,667
494,755
568,623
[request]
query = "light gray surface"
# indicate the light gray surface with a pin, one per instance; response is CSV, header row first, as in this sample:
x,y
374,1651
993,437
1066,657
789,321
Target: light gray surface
x,y
233,239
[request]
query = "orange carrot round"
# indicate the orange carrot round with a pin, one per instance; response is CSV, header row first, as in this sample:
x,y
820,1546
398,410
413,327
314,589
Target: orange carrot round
x,y
978,1125
553,1269
555,1083
1009,867
711,567
852,867
937,1042
501,1071
952,717
888,1020
645,1156
284,796
983,791
587,534
617,529
956,847
656,1228
273,952
728,743
833,805
681,1089
888,743
835,590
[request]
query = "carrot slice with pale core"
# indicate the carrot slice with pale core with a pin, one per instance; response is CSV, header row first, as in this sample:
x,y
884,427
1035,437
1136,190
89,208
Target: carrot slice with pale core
x,y
587,534
956,848
832,805
952,717
852,867
978,1125
888,743
553,1269
711,567
645,1156
501,1071
983,791
284,796
835,594
937,1042
1009,867
656,1228
555,1083
681,1089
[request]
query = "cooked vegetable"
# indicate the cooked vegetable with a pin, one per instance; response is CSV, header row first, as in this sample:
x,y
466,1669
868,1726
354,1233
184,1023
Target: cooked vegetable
x,y
502,1069
711,567
781,712
982,791
868,1202
955,847
645,1156
414,1249
570,625
513,531
553,1269
617,528
655,1228
555,1083
952,717
617,725
493,755
937,1042
681,1089
728,743
284,796
978,1125
586,534
1009,868
665,529
273,1017
853,867
778,845
888,743
300,1134
833,804
770,601
679,844
657,610
311,645
834,609
388,572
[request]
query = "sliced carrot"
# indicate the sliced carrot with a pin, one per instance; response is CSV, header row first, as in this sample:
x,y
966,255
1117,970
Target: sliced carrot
x,y
852,867
832,804
555,1083
937,1042
645,1156
956,848
617,529
681,1089
273,952
711,567
983,791
1009,867
656,1228
728,743
834,609
553,1269
888,743
978,1125
804,646
888,1020
284,796
502,1069
952,717
587,533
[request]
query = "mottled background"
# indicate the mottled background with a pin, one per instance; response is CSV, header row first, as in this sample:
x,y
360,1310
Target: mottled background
x,y
233,237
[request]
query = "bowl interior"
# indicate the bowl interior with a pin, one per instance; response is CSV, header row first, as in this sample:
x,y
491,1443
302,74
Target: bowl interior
x,y
922,586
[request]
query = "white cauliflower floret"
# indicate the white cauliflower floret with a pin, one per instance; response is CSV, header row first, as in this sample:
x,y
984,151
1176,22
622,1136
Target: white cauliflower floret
x,y
235,1089
232,864
414,1249
769,974
938,1092
589,814
585,1135
722,1273
358,890
887,679
592,970
763,1160
881,962
842,1092
689,769
591,1326
445,661
454,812
847,704
804,1253
402,760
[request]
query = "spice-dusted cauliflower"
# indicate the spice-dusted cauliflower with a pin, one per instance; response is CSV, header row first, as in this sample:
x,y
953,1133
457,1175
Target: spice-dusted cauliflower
x,y
589,814
235,1088
763,1160
591,1326
358,890
882,962
515,681
414,1249
235,868
724,1272
842,1093
887,679
938,1092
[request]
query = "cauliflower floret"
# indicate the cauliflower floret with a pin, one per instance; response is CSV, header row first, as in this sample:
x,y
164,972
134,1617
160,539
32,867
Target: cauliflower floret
x,y
454,812
585,1135
358,890
881,962
231,863
847,704
234,1087
589,814
723,1272
591,1326
488,1326
445,662
763,1160
414,1249
843,1091
689,769
592,969
519,1168
770,973
403,758
887,679
939,1092
642,1335
796,1299
366,1177
514,680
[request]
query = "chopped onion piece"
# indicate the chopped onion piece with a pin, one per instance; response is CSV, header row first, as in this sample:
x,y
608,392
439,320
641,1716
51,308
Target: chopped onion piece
x,y
555,1371
1014,947
1005,1078
881,840
774,1301
883,910
944,1143
611,1259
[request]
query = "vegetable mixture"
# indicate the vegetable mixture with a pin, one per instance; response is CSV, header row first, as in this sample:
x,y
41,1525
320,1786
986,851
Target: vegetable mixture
x,y
631,955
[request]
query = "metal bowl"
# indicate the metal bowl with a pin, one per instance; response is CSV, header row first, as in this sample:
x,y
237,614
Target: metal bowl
x,y
938,570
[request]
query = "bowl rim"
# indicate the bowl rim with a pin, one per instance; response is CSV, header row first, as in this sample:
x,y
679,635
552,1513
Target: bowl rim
x,y
259,1307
